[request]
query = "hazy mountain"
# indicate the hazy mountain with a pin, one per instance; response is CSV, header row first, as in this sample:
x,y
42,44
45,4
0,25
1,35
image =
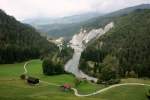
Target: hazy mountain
x,y
64,26
61,20
68,26
102,20
130,9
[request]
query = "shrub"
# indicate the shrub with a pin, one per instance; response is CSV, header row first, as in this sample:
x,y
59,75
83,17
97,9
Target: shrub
x,y
110,82
52,68
23,76
148,94
113,81
77,81
131,74
99,81
110,68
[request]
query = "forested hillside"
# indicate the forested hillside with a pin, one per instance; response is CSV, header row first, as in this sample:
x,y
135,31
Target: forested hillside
x,y
19,42
60,30
122,52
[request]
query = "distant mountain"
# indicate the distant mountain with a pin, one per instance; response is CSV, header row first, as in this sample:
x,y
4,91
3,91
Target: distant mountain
x,y
65,26
103,20
68,26
60,30
129,10
19,42
61,20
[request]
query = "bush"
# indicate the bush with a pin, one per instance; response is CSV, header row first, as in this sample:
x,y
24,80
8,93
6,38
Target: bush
x,y
52,68
110,82
99,81
131,74
113,81
148,94
23,76
110,68
77,81
92,81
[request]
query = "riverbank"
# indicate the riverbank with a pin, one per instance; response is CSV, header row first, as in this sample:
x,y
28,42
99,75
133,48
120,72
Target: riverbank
x,y
78,43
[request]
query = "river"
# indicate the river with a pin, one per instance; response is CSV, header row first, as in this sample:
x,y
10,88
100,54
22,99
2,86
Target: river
x,y
78,43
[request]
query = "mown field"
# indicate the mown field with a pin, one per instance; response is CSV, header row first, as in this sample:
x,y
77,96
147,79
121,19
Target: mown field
x,y
13,88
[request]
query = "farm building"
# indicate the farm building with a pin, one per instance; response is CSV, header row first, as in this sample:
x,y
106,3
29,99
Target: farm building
x,y
66,87
32,80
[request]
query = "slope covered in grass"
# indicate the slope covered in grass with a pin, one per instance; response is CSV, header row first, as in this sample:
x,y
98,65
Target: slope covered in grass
x,y
12,87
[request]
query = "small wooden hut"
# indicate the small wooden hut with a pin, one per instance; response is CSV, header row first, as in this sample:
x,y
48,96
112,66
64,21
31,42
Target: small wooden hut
x,y
32,80
66,87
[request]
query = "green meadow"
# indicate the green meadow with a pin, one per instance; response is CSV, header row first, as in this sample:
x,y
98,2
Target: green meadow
x,y
13,88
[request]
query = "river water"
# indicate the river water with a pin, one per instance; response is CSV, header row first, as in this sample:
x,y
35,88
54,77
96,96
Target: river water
x,y
78,43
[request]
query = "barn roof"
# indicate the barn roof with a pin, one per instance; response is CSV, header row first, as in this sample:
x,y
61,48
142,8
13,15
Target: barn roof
x,y
67,86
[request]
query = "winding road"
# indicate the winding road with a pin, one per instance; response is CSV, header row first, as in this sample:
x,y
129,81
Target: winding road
x,y
25,69
76,93
45,82
105,89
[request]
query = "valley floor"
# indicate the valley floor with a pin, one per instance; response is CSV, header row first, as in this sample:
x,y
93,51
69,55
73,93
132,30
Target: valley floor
x,y
13,88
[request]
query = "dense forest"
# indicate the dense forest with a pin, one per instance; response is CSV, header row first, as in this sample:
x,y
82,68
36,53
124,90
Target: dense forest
x,y
19,42
122,52
54,64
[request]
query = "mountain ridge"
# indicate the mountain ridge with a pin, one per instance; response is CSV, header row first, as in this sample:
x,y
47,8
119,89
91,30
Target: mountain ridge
x,y
20,42
69,29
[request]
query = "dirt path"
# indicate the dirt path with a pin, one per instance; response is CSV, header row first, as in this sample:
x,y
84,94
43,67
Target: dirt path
x,y
25,69
105,89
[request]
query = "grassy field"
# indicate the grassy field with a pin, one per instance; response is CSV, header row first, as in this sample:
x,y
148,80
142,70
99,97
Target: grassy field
x,y
12,88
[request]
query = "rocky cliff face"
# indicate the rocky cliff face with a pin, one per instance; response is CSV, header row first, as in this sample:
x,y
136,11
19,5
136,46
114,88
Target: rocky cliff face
x,y
84,37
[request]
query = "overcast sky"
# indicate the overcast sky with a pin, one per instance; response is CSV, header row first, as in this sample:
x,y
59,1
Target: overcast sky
x,y
25,9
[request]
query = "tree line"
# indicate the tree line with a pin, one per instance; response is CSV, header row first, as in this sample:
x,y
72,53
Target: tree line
x,y
53,64
125,50
20,42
